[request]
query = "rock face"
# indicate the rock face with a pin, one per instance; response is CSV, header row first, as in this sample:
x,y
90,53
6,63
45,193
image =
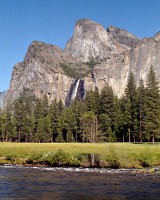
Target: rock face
x,y
40,74
2,98
122,38
94,56
90,41
115,70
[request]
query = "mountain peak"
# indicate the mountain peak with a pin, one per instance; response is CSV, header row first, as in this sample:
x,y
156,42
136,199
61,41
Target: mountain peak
x,y
123,37
86,22
83,21
94,54
90,41
157,36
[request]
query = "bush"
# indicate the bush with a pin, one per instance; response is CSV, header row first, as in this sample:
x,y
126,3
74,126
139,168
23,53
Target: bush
x,y
70,71
58,158
34,158
146,158
74,72
112,158
75,160
10,157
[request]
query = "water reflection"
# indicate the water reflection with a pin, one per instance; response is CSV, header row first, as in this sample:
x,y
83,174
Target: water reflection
x,y
59,184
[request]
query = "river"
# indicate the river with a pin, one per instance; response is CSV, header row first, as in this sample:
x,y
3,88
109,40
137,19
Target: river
x,y
25,183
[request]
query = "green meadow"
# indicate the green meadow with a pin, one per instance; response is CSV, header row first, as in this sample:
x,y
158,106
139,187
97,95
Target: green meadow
x,y
113,155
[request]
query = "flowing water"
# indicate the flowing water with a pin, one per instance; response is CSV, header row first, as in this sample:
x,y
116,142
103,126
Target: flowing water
x,y
75,89
17,182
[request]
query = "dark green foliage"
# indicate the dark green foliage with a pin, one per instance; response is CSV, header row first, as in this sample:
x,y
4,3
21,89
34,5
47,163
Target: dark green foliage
x,y
105,127
74,71
99,117
19,116
107,113
152,118
10,157
60,107
78,108
107,101
128,118
119,121
53,114
80,70
131,107
61,158
112,158
92,63
42,126
22,117
92,101
141,107
58,158
69,125
88,127
2,126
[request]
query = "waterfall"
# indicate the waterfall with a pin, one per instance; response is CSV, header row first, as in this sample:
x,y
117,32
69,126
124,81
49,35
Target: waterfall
x,y
75,89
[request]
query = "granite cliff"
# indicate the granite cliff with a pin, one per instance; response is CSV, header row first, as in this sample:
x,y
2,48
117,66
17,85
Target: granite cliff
x,y
94,56
2,98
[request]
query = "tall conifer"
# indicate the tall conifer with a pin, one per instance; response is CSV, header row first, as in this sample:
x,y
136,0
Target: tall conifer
x,y
152,118
131,105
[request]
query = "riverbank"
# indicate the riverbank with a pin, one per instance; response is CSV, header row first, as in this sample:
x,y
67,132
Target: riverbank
x,y
99,155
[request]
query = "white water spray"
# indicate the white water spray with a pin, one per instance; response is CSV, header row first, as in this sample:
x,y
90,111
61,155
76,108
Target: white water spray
x,y
75,90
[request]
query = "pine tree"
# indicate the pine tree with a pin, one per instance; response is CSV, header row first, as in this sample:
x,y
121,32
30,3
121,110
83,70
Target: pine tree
x,y
47,129
40,134
22,117
53,114
128,118
69,125
105,127
2,126
107,101
131,98
91,101
152,118
14,134
60,108
45,106
32,126
38,117
88,127
119,120
59,138
8,126
19,117
141,101
106,104
78,108
42,120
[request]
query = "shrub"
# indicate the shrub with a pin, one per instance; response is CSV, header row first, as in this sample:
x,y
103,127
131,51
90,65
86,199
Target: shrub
x,y
146,158
73,72
34,158
112,158
10,157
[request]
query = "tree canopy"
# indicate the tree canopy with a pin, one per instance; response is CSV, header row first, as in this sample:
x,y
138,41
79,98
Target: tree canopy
x,y
100,117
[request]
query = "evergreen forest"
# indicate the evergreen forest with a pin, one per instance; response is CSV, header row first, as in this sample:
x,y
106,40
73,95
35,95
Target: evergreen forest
x,y
100,117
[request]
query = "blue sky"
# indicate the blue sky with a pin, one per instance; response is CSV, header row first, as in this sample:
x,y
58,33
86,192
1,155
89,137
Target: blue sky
x,y
52,21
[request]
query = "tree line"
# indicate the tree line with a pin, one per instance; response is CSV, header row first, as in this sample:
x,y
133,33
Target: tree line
x,y
100,117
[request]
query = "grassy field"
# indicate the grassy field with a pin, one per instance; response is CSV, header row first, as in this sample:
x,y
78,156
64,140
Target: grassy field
x,y
116,155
